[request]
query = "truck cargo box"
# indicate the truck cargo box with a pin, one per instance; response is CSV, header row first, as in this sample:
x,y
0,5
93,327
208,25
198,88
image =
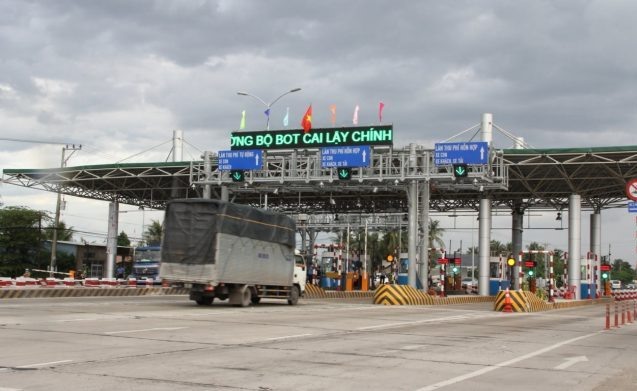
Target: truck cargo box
x,y
212,241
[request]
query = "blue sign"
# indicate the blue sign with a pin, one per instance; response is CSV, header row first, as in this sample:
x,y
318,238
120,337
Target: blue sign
x,y
461,153
251,159
353,156
632,207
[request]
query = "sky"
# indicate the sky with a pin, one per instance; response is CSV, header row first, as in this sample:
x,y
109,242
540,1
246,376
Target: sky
x,y
119,76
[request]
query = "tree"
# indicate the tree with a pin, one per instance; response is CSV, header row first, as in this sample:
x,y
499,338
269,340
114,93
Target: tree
x,y
20,240
123,240
153,233
622,271
435,234
64,233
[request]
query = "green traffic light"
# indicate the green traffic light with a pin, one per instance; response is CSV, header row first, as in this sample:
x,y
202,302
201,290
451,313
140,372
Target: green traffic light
x,y
237,175
604,275
460,170
455,269
531,273
344,174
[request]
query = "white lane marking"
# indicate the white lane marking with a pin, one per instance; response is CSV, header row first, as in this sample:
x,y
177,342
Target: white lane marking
x,y
571,361
445,319
144,330
44,364
503,364
41,364
10,389
288,337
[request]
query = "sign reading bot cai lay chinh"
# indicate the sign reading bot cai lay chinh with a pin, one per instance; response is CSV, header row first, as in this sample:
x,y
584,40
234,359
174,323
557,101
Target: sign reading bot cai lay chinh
x,y
316,138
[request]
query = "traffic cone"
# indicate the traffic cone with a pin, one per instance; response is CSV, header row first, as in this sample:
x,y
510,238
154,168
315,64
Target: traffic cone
x,y
507,302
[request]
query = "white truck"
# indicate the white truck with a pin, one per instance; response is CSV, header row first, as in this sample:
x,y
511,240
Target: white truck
x,y
229,251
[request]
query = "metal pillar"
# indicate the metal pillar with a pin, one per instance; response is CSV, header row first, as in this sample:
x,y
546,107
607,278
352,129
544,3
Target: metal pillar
x,y
484,243
517,229
486,132
412,232
224,193
423,269
207,168
574,242
596,241
111,240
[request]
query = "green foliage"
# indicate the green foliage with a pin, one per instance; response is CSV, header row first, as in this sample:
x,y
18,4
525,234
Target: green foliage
x,y
64,233
622,271
153,233
123,240
20,240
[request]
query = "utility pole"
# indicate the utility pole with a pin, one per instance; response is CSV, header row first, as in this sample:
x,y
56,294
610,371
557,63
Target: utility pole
x,y
54,241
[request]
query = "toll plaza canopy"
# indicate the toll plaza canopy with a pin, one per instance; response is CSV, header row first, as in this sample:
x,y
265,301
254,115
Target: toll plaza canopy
x,y
294,180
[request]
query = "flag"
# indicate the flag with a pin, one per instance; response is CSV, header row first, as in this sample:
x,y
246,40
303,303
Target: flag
x,y
306,122
333,111
286,119
355,119
242,125
381,106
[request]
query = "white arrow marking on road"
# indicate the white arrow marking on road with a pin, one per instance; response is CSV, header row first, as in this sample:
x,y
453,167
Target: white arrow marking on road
x,y
571,361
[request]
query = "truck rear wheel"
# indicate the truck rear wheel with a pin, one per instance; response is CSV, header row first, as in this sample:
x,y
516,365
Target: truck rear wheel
x,y
255,299
294,295
205,300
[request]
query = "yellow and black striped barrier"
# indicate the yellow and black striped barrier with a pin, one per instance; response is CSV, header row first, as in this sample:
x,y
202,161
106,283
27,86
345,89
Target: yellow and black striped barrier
x,y
519,301
41,292
407,295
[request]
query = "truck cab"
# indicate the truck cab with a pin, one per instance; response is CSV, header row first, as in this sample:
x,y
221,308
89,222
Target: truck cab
x,y
300,274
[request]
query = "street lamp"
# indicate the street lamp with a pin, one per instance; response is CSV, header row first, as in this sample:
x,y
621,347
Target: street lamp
x,y
268,105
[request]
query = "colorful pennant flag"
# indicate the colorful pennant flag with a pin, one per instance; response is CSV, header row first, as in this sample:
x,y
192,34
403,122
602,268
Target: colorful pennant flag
x,y
286,119
306,122
333,111
355,118
381,106
242,125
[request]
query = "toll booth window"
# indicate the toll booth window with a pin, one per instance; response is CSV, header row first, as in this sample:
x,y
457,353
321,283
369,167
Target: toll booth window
x,y
493,270
328,264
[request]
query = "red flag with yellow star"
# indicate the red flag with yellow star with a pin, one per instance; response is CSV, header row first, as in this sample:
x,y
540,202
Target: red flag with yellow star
x,y
306,122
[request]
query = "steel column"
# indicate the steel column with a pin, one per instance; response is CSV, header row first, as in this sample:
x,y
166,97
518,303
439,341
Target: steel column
x,y
574,242
484,243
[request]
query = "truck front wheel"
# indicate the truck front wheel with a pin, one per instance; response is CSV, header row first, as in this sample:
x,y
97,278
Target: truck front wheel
x,y
294,295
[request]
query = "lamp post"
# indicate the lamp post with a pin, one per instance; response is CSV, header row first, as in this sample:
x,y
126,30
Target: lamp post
x,y
268,105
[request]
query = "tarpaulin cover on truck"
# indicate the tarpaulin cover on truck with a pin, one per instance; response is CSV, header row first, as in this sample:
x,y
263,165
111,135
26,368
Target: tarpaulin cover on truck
x,y
192,224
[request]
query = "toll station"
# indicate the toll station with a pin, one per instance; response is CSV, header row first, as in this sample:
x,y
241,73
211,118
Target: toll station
x,y
355,177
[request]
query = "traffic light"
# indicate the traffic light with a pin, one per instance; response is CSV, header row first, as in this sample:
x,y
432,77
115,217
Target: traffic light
x,y
345,174
604,276
531,272
237,175
511,262
460,170
454,269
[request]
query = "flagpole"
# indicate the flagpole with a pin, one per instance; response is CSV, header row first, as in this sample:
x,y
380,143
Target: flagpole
x,y
268,105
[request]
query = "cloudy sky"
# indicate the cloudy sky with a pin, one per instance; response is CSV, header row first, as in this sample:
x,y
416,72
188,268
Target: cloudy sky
x,y
119,76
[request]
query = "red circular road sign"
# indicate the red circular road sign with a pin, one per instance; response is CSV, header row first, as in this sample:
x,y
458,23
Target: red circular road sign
x,y
631,189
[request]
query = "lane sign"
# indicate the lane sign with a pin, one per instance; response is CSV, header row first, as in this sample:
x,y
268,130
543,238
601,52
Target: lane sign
x,y
347,156
461,153
250,159
631,189
632,207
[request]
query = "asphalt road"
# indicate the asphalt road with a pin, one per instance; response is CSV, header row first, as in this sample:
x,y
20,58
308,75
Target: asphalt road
x,y
169,343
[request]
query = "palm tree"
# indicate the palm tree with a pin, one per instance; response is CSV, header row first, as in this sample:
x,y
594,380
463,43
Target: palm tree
x,y
63,234
153,233
435,234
